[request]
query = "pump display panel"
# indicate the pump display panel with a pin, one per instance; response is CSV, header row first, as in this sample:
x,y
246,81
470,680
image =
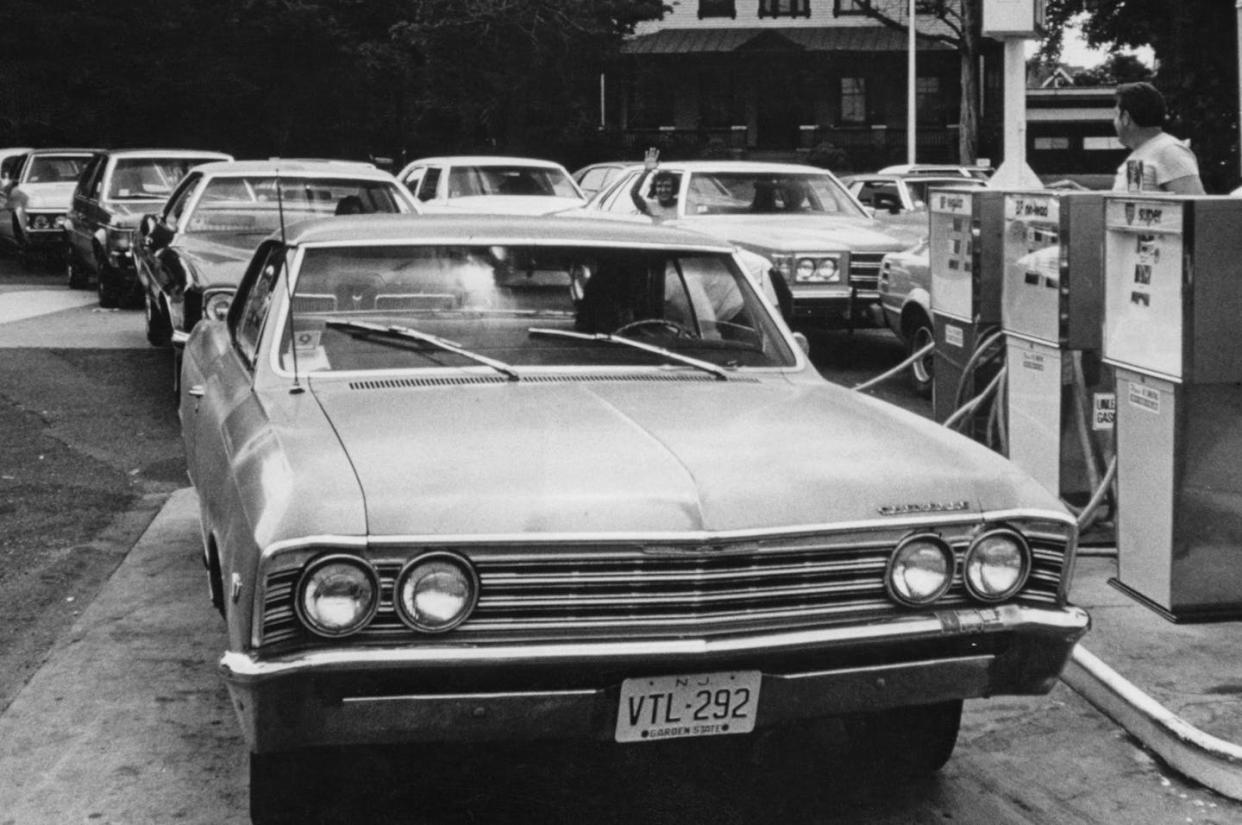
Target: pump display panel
x,y
951,248
1032,254
1143,304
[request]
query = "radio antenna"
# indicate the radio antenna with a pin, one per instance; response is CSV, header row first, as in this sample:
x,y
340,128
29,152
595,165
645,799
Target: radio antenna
x,y
284,253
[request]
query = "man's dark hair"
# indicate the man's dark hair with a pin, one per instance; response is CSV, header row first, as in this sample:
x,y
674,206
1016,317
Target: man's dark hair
x,y
664,175
1144,103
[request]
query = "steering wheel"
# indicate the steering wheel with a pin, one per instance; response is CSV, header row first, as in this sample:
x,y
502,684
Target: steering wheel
x,y
672,326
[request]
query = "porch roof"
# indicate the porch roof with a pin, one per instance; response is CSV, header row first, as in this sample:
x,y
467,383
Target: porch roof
x,y
805,38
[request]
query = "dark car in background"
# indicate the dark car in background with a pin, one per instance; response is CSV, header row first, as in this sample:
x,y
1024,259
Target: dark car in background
x,y
190,255
115,190
35,194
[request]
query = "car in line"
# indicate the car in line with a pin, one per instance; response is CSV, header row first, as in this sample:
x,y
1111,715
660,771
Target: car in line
x,y
905,308
491,184
36,190
899,194
824,245
191,254
116,188
496,478
595,176
957,170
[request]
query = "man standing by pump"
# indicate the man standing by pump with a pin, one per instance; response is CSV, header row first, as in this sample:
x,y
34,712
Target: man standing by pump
x,y
1158,162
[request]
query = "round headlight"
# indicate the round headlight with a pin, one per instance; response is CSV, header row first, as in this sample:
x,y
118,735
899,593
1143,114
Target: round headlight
x,y
436,592
40,222
826,270
805,270
996,565
920,570
217,306
338,595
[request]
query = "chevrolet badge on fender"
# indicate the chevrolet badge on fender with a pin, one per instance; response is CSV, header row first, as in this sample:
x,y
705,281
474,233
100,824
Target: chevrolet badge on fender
x,y
929,507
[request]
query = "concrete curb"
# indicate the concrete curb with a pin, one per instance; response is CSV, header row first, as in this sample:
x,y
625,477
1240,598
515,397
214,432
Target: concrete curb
x,y
1206,759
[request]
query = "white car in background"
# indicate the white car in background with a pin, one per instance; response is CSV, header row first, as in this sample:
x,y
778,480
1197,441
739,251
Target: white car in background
x,y
36,190
491,184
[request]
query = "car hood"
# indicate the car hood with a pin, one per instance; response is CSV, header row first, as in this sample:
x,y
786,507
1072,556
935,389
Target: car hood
x,y
46,195
219,259
504,205
659,456
791,233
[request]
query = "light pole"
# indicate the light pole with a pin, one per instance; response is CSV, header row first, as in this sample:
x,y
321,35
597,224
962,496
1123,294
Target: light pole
x,y
1014,22
912,92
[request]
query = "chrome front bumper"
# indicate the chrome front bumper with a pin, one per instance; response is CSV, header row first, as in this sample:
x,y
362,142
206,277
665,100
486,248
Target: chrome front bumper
x,y
381,695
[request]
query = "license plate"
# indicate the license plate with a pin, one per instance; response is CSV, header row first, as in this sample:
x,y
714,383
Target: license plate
x,y
675,707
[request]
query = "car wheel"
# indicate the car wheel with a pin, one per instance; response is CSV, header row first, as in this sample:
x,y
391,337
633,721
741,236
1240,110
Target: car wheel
x,y
159,328
908,741
284,788
73,273
108,287
921,371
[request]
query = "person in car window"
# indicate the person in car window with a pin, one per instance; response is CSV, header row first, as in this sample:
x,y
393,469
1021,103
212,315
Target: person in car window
x,y
661,202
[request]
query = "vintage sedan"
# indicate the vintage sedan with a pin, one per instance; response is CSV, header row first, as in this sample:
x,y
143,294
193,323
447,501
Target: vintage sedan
x,y
491,184
482,479
824,244
905,308
35,196
115,190
190,255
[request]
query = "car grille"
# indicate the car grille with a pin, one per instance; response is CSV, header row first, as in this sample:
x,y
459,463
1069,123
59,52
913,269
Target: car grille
x,y
666,591
865,270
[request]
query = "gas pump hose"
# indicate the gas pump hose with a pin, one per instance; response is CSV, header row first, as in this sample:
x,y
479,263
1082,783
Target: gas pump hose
x,y
887,374
972,363
970,406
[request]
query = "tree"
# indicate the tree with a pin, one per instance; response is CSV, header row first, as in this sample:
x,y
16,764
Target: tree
x,y
1116,68
1195,46
960,26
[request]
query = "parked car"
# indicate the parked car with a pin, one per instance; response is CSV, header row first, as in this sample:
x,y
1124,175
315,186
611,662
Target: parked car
x,y
596,176
190,255
981,172
115,189
905,307
826,248
8,166
498,478
36,189
899,194
487,184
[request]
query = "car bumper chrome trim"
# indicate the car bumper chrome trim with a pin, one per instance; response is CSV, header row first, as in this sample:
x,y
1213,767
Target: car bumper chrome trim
x,y
286,702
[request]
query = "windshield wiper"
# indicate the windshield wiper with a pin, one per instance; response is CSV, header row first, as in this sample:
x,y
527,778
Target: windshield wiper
x,y
426,338
706,366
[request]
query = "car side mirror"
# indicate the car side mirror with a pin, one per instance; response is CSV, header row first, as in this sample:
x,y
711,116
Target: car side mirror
x,y
155,232
803,343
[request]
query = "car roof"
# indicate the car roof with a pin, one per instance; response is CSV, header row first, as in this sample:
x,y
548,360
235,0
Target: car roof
x,y
72,150
485,160
301,168
498,229
924,177
932,168
744,166
168,153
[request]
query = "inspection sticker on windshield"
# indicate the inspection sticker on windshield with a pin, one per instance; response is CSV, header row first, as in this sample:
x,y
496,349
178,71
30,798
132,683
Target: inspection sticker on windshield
x,y
677,707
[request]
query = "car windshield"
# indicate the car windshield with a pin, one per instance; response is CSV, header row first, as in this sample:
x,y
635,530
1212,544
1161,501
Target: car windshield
x,y
744,193
56,168
469,181
149,178
525,306
252,204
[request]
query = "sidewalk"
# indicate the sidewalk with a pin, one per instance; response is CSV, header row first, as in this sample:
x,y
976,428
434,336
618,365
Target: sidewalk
x,y
1176,687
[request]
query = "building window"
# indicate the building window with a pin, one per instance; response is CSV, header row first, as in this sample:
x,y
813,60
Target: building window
x,y
846,7
784,8
853,100
1051,143
929,6
927,99
716,8
1094,143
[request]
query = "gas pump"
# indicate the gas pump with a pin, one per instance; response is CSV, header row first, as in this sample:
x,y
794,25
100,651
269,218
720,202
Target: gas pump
x,y
964,249
1060,402
1172,300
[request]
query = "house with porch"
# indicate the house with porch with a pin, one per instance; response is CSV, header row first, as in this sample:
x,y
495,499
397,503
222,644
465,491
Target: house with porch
x,y
795,79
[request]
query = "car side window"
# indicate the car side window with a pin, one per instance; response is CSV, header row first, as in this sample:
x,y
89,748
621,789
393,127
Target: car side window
x,y
427,186
256,301
619,199
178,200
88,184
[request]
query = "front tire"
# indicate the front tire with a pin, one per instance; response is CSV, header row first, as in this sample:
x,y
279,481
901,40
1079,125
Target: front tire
x,y
908,741
109,286
76,278
159,328
922,371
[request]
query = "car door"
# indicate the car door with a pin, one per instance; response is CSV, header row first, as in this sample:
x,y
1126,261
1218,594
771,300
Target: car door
x,y
84,211
218,369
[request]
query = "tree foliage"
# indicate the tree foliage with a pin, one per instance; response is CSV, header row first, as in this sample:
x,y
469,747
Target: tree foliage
x,y
308,77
